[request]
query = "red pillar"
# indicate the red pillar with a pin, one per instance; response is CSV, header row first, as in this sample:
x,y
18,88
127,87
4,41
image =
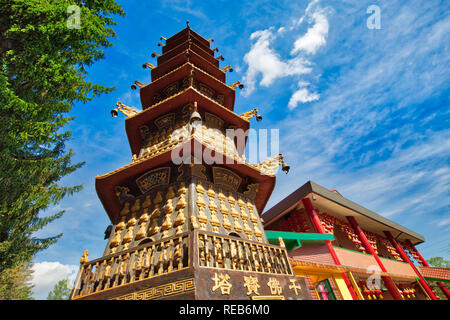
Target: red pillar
x,y
425,263
312,213
405,258
362,237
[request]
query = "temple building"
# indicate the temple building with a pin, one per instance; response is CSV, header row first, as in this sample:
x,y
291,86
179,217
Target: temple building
x,y
185,211
187,217
349,252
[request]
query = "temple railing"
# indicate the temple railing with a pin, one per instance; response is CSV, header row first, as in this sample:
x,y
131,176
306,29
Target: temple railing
x,y
139,263
232,253
174,254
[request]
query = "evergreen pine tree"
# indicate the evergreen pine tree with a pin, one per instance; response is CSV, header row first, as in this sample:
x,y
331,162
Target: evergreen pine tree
x,y
43,61
61,291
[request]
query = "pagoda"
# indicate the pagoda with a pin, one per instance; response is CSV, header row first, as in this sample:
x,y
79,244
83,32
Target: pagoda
x,y
185,211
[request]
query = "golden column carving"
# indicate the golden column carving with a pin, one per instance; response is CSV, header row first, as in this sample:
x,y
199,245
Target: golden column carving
x,y
154,228
202,217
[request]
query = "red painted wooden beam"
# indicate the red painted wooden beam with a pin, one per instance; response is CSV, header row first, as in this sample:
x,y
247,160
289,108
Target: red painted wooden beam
x,y
405,258
425,263
362,237
312,214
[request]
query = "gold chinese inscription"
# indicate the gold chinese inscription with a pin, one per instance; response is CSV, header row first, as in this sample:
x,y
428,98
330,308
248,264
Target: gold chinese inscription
x,y
212,121
165,120
295,286
226,178
153,178
251,283
221,282
275,287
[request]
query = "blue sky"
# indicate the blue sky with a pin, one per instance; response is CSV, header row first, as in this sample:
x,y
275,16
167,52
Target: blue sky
x,y
365,111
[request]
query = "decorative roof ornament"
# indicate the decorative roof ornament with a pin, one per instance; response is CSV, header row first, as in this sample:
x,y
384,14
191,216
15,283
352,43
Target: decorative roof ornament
x,y
250,114
237,84
148,65
192,75
127,111
84,257
227,68
137,84
195,121
269,165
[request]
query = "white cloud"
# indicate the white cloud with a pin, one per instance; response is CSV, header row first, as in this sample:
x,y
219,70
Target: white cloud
x,y
443,222
374,136
264,62
262,59
315,37
307,12
302,95
185,6
47,274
